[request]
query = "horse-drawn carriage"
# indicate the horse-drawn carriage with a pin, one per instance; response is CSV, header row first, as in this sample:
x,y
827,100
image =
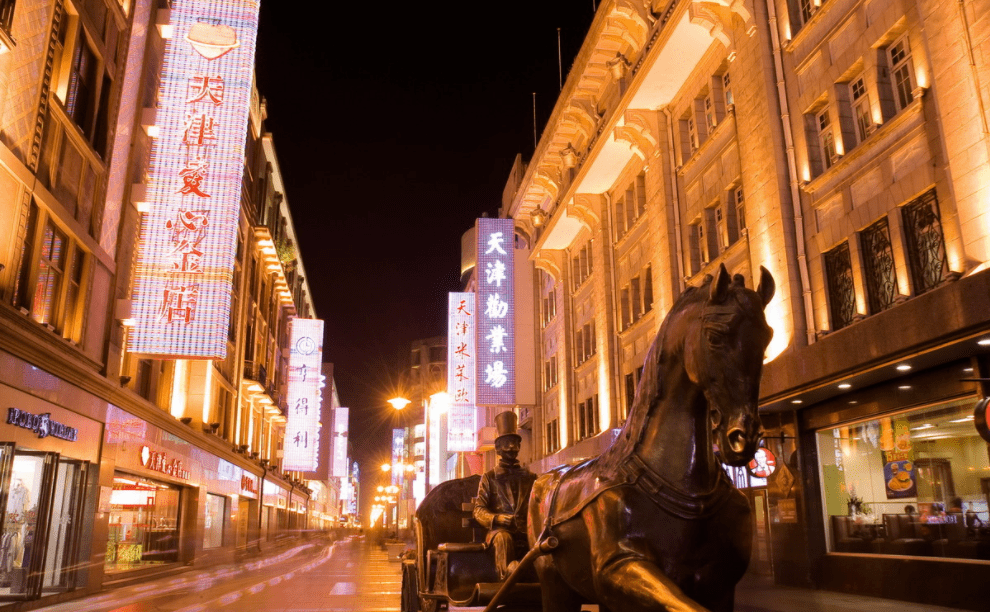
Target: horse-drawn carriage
x,y
654,522
451,564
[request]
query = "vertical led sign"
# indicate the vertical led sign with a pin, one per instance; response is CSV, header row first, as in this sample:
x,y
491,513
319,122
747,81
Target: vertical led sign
x,y
341,417
462,430
183,279
496,329
305,395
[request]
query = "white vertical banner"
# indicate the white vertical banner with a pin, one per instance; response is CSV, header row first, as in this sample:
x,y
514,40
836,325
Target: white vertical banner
x,y
341,419
304,396
462,430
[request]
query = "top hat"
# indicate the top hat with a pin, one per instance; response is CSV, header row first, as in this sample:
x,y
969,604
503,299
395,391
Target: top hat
x,y
505,424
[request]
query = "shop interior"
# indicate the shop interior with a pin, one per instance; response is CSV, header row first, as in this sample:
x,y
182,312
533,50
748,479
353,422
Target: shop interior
x,y
912,483
144,524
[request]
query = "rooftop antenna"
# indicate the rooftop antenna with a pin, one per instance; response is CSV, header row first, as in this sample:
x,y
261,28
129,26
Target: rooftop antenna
x,y
534,122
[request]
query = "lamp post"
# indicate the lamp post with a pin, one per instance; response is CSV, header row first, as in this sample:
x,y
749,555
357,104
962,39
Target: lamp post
x,y
399,403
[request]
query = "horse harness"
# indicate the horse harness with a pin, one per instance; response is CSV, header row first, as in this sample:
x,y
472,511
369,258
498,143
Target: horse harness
x,y
636,473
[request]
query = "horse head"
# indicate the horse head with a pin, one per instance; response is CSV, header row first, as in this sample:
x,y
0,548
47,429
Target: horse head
x,y
723,356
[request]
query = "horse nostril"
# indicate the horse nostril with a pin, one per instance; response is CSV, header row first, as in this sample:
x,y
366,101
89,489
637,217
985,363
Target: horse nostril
x,y
737,440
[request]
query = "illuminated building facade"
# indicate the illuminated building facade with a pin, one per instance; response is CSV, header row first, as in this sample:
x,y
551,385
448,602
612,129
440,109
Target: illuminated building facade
x,y
843,145
145,462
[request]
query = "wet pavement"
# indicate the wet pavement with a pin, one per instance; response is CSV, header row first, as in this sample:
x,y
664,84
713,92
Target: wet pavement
x,y
350,575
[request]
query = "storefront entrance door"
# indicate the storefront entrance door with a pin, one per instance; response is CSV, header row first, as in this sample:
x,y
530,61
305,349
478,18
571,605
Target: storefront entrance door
x,y
28,480
66,521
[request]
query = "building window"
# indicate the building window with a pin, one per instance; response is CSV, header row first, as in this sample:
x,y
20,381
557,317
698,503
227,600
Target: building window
x,y
925,242
7,14
81,81
584,343
630,207
216,513
902,72
581,265
739,202
861,109
907,484
878,266
841,291
52,275
826,140
710,117
692,130
548,308
727,91
550,373
636,299
587,418
551,440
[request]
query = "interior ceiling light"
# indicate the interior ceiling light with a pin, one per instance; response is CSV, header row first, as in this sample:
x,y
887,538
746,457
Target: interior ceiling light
x,y
903,367
984,342
845,386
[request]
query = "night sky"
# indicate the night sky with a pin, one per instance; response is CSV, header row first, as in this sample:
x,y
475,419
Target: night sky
x,y
396,125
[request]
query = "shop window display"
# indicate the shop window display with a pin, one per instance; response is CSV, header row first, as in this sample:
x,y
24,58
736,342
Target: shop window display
x,y
20,523
911,483
144,524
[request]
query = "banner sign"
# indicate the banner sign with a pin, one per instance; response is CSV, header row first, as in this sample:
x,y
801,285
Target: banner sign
x,y
183,279
496,384
462,429
341,418
305,395
398,454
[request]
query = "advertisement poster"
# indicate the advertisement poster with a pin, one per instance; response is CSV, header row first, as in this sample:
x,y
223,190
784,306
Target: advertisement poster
x,y
899,472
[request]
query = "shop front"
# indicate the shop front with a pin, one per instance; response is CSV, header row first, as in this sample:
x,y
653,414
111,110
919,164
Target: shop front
x,y
167,500
47,459
903,499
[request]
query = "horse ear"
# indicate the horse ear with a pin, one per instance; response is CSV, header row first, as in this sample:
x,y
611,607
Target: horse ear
x,y
720,286
767,286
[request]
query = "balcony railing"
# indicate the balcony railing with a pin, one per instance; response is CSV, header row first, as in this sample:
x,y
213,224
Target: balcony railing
x,y
256,372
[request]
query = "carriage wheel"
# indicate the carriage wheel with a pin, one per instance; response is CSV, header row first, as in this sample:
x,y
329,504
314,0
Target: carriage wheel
x,y
410,588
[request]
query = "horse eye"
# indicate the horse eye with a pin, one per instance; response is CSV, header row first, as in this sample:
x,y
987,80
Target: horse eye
x,y
715,339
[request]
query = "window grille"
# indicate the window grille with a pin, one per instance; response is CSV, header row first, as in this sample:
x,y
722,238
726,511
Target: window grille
x,y
925,242
878,266
841,292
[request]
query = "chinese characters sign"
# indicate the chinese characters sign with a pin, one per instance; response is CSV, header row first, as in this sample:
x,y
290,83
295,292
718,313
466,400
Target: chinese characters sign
x,y
183,280
341,417
496,312
398,455
461,375
305,395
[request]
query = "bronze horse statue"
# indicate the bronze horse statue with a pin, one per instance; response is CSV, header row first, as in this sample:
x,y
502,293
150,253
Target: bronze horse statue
x,y
654,523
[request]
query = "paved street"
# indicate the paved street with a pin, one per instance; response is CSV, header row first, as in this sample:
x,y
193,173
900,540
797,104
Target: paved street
x,y
351,575
354,575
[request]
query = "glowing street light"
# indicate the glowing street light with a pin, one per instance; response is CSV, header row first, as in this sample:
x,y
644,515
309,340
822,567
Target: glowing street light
x,y
399,402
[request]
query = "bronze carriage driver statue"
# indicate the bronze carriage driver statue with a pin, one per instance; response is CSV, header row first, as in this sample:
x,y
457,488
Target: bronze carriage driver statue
x,y
503,498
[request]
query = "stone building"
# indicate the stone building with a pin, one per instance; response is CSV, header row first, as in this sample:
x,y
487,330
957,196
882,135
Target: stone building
x,y
842,145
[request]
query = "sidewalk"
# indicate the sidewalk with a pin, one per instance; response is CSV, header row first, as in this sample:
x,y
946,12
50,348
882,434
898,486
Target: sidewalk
x,y
759,594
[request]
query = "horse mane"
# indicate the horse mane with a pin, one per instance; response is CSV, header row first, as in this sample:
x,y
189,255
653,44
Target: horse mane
x,y
650,385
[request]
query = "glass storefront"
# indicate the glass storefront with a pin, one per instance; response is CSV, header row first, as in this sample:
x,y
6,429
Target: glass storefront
x,y
37,555
144,523
216,512
910,483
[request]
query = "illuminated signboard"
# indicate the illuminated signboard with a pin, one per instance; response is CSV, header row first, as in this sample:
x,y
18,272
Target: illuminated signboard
x,y
462,428
305,395
398,454
341,417
183,279
496,330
